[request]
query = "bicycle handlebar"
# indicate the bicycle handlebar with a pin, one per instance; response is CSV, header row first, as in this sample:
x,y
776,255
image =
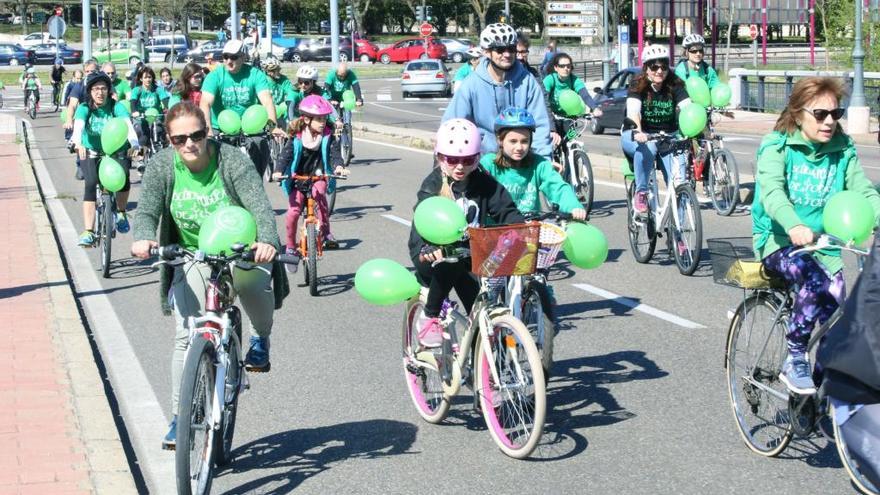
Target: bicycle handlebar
x,y
240,252
310,177
828,241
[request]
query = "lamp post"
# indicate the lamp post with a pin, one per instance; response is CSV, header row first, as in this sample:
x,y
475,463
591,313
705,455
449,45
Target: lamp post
x,y
858,113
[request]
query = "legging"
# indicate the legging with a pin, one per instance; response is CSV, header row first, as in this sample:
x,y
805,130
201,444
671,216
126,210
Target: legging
x,y
443,278
89,168
643,155
297,200
816,295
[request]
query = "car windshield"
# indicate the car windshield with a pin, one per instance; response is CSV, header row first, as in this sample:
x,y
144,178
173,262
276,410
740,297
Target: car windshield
x,y
423,66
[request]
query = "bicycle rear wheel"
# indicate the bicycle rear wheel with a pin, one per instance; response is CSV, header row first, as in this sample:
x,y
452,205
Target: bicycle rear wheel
x,y
345,144
850,464
234,371
583,175
423,379
537,316
195,434
723,182
687,236
312,262
106,227
514,404
755,351
641,230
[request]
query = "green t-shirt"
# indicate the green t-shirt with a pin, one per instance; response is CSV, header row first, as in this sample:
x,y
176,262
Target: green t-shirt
x,y
95,121
334,87
195,196
30,83
524,184
462,72
121,88
705,72
235,92
282,89
142,98
554,86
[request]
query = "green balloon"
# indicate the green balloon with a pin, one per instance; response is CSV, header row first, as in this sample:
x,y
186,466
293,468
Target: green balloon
x,y
281,110
254,120
111,174
849,216
698,91
384,282
114,135
348,104
439,220
721,95
64,115
229,122
126,104
151,115
571,103
692,120
585,245
226,226
348,95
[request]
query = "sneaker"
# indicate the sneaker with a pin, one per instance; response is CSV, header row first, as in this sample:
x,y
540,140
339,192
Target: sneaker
x,y
641,202
292,267
430,331
796,375
87,239
122,225
170,440
79,173
257,358
330,242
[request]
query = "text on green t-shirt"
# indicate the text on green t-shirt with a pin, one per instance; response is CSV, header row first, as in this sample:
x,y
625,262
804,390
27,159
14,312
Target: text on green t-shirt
x,y
195,196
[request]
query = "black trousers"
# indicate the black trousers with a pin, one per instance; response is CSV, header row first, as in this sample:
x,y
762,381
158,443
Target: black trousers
x,y
441,279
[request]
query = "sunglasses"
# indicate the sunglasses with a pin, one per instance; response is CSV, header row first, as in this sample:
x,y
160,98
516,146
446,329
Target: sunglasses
x,y
522,52
231,56
111,74
504,49
820,114
658,67
180,140
695,50
304,81
464,161
564,66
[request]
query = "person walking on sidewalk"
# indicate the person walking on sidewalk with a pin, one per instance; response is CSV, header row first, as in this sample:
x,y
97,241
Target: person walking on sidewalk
x,y
183,185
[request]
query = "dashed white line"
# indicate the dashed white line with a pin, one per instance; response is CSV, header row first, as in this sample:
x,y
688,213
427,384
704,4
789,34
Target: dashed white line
x,y
383,97
636,305
395,146
395,218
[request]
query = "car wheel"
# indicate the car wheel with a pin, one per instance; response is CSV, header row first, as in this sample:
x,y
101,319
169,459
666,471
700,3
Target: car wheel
x,y
343,56
13,61
365,57
595,127
457,57
385,58
296,58
404,94
133,60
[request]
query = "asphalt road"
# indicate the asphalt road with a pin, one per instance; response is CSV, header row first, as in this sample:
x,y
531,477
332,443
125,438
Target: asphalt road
x,y
638,401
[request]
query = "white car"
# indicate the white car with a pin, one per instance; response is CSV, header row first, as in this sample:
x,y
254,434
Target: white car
x,y
277,50
34,39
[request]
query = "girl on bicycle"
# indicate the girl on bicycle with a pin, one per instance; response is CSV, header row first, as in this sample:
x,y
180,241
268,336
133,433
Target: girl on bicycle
x,y
147,94
560,79
474,56
309,152
801,164
189,85
652,104
481,198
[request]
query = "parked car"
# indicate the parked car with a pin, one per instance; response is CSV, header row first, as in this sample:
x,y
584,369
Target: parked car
x,y
6,18
367,51
324,27
411,49
121,52
425,76
16,19
318,49
34,39
456,49
199,53
46,54
277,50
611,98
11,54
159,47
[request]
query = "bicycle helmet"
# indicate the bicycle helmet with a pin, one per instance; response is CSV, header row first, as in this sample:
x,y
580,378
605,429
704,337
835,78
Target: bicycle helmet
x,y
458,137
315,105
693,39
28,65
271,64
515,118
59,61
31,71
497,35
655,52
474,53
307,72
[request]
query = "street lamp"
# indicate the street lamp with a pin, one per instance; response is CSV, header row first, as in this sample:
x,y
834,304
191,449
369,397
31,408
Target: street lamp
x,y
858,113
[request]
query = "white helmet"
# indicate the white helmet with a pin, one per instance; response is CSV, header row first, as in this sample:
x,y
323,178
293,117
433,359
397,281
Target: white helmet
x,y
271,64
474,53
497,35
693,39
655,52
307,72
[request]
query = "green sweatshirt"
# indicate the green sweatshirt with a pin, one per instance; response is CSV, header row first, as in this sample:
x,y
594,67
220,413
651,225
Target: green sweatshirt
x,y
705,72
524,183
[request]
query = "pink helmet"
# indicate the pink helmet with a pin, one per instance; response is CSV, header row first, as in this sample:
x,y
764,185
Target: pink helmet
x,y
458,137
315,105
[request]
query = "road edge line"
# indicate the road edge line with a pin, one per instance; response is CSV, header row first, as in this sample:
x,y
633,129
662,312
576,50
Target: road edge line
x,y
638,306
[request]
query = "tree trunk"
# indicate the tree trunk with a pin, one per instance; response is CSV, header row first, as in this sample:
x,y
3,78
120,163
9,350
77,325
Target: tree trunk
x,y
732,12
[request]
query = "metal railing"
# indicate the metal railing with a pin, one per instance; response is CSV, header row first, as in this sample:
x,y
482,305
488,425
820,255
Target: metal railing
x,y
770,90
591,70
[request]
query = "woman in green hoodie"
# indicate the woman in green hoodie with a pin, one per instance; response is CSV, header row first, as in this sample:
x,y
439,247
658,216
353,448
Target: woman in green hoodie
x,y
801,165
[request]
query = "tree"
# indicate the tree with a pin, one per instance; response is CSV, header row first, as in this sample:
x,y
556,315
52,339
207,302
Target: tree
x,y
481,8
360,8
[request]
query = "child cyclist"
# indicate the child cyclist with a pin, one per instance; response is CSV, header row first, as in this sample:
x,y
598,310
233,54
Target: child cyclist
x,y
480,197
310,152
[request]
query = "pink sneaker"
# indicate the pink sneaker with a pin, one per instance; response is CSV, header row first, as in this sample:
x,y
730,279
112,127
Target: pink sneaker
x,y
431,333
641,202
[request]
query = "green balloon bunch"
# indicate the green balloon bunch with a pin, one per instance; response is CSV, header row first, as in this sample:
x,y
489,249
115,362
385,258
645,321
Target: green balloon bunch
x,y
111,174
114,135
692,120
254,120
721,95
439,220
151,115
229,122
585,246
698,91
571,103
226,226
384,282
348,101
849,216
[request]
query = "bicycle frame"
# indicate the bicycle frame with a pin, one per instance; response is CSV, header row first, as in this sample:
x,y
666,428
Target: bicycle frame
x,y
569,144
661,212
311,218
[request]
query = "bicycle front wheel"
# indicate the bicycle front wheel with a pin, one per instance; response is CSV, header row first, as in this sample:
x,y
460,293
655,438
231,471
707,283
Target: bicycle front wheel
x,y
345,144
106,227
640,229
195,433
755,351
312,262
423,379
850,464
723,182
583,175
537,316
687,235
510,387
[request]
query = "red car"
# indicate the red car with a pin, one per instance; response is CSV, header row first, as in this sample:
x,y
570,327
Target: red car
x,y
367,51
411,49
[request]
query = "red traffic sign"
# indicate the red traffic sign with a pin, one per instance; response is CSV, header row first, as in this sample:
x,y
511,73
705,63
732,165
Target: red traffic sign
x,y
426,29
753,32
59,10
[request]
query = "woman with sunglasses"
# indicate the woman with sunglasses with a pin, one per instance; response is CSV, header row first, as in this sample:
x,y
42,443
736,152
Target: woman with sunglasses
x,y
306,85
481,198
560,79
652,104
183,185
801,164
693,65
189,85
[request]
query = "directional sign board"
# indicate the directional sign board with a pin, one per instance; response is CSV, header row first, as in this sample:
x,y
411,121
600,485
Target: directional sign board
x,y
572,19
571,6
572,31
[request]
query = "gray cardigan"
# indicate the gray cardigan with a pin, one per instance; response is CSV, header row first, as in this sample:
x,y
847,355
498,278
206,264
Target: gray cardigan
x,y
243,186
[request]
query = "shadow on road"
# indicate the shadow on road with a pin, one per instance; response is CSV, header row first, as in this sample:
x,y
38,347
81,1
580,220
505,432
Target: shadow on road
x,y
8,292
297,455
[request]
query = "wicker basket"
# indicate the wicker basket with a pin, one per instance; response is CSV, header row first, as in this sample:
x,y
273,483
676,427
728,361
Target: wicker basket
x,y
549,243
734,265
504,251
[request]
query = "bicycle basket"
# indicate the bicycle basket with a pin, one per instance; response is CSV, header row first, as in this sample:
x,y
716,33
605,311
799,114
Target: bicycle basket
x,y
734,264
550,242
504,251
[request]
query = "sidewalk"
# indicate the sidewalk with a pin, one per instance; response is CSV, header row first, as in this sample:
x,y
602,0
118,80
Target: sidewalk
x,y
57,434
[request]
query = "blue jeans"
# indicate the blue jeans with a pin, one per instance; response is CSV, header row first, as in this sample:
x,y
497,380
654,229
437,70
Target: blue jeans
x,y
643,156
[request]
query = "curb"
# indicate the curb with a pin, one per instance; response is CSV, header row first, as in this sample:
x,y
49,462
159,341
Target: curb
x,y
108,464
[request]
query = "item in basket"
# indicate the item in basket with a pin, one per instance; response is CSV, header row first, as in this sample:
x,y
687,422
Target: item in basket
x,y
748,275
508,250
527,261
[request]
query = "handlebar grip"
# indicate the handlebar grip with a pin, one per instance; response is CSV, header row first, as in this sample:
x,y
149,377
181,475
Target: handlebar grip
x,y
289,259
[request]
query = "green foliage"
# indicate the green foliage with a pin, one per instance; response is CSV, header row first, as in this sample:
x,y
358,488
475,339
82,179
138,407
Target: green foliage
x,y
840,22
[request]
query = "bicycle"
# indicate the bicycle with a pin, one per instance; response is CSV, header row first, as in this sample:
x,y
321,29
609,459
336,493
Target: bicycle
x,y
105,220
490,349
767,414
679,214
214,374
245,142
276,147
56,94
721,177
155,141
31,107
571,154
344,134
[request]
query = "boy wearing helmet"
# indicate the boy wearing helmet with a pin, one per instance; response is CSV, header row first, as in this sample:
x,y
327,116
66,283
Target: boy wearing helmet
x,y
480,197
692,65
499,82
31,84
467,69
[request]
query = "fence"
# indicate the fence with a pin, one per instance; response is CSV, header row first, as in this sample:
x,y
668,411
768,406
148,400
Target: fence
x,y
591,70
769,90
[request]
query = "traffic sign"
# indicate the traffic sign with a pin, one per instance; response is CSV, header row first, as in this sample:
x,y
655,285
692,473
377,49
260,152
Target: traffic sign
x,y
426,29
56,27
572,31
572,6
59,10
572,19
753,32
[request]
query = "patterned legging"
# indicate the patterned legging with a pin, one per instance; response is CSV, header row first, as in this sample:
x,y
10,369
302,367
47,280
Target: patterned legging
x,y
816,295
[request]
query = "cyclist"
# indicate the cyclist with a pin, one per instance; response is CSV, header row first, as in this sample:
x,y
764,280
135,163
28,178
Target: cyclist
x,y
28,66
147,94
57,78
559,79
340,81
310,152
68,88
801,164
236,85
467,69
73,97
522,54
483,200
184,184
89,121
692,65
279,85
500,82
121,88
306,84
31,84
189,86
651,103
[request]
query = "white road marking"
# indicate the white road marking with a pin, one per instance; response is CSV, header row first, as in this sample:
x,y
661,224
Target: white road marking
x,y
636,305
386,107
383,97
737,139
395,218
395,146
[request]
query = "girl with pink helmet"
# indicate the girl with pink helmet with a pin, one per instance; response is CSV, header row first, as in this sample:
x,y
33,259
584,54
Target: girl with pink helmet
x,y
311,151
482,199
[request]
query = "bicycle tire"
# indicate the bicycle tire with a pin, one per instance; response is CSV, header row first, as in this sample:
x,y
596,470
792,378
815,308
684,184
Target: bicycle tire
x,y
723,182
194,420
849,464
234,370
690,231
32,108
106,233
312,263
332,186
537,312
345,144
514,412
424,383
641,234
753,408
582,170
